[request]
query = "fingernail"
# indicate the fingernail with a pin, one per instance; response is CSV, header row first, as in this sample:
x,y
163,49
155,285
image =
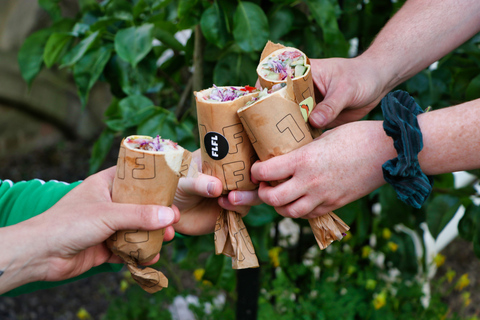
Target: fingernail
x,y
237,197
318,119
165,216
211,188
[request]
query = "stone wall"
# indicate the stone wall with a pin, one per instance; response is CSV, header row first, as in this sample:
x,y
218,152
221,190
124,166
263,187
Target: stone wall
x,y
50,110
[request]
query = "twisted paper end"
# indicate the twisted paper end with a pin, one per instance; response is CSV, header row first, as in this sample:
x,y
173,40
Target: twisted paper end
x,y
232,239
149,279
328,228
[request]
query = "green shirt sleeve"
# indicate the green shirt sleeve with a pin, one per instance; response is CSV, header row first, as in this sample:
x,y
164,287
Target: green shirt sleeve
x,y
23,200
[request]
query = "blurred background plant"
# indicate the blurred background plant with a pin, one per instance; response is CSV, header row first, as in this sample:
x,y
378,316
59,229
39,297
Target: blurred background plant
x,y
154,54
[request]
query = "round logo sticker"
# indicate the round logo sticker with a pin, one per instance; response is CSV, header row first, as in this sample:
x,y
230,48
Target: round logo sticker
x,y
216,145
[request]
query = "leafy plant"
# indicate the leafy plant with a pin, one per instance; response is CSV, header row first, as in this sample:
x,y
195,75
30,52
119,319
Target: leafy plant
x,y
154,53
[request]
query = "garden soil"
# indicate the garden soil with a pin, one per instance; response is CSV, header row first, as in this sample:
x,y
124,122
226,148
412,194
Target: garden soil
x,y
68,162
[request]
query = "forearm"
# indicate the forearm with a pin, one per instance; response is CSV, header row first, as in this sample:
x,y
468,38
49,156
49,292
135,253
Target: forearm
x,y
420,33
451,139
20,261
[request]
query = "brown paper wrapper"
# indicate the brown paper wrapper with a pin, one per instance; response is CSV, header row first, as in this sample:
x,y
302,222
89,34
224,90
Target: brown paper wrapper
x,y
276,126
303,87
144,177
228,155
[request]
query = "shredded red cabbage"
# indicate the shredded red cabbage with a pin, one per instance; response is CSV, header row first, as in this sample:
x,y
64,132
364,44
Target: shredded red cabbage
x,y
155,144
222,94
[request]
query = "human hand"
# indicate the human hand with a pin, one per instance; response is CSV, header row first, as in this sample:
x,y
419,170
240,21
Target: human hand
x,y
199,201
341,166
68,239
351,88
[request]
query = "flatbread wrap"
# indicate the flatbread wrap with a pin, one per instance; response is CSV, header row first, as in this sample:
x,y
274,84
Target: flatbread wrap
x,y
278,62
275,126
227,154
148,170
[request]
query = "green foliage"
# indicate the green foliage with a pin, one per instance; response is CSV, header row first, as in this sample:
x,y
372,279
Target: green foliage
x,y
134,46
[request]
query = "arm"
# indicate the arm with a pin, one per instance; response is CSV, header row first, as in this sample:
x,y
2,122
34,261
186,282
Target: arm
x,y
68,239
344,164
420,33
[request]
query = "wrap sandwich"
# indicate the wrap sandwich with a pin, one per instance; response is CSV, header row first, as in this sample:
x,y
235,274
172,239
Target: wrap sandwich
x,y
275,126
148,170
227,154
278,62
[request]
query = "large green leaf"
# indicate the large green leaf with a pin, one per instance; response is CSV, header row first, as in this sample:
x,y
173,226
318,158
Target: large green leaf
x,y
260,215
467,226
214,268
168,39
213,25
79,50
135,109
250,27
324,13
162,123
395,211
473,89
57,45
185,7
281,22
88,69
134,43
235,69
100,150
440,211
52,7
30,56
131,80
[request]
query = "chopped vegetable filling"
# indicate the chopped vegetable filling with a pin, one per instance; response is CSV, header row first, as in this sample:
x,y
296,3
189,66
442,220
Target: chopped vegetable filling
x,y
277,68
265,92
222,94
151,144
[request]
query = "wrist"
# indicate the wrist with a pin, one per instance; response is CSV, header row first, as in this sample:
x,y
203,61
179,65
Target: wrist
x,y
21,261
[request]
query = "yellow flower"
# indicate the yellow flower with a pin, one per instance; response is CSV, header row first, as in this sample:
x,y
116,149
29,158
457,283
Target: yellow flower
x,y
371,284
366,251
466,298
386,233
198,274
439,260
351,270
124,285
274,256
450,275
392,246
379,300
83,314
462,282
348,236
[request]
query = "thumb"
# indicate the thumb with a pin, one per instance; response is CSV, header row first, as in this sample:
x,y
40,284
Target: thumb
x,y
122,216
324,113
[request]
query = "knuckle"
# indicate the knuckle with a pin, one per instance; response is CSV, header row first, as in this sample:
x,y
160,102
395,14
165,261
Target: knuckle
x,y
272,199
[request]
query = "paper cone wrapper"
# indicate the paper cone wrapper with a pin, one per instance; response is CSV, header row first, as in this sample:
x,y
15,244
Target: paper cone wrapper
x,y
226,150
275,124
275,127
228,155
303,87
232,239
143,177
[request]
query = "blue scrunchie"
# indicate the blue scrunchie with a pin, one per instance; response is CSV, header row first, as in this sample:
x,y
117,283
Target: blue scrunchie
x,y
404,173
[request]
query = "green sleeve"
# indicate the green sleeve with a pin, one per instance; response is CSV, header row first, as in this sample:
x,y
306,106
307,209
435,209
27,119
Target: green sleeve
x,y
23,200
